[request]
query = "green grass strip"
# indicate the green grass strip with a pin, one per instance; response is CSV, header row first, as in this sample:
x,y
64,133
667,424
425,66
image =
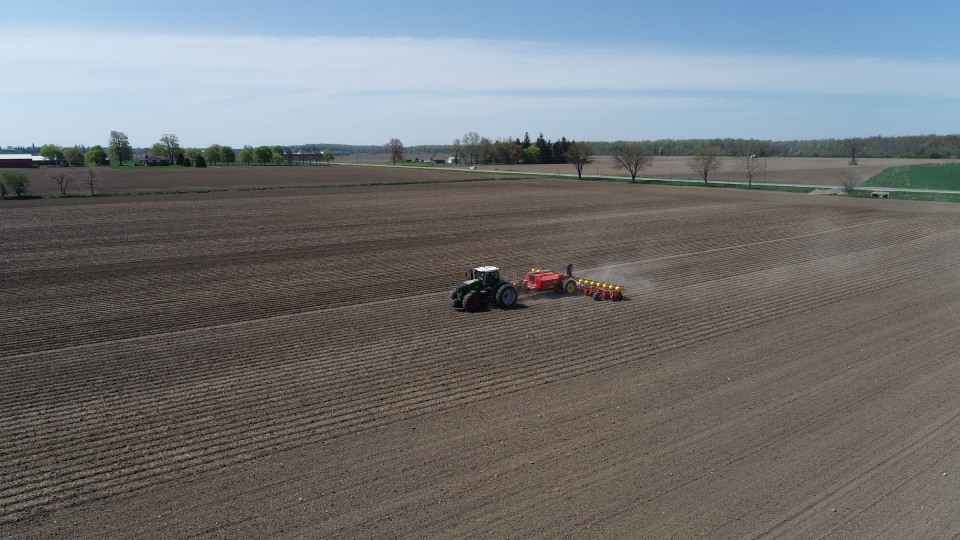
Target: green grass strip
x,y
928,176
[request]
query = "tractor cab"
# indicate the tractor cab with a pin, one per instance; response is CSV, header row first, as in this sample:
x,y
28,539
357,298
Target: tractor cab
x,y
488,276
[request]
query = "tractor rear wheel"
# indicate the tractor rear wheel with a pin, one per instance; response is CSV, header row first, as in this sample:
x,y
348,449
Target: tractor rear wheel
x,y
472,301
569,286
506,296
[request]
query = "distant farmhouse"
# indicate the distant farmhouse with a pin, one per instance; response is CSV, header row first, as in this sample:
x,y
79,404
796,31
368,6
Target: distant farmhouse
x,y
22,161
153,161
305,157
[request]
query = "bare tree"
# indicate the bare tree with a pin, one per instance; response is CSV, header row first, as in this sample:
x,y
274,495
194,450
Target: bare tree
x,y
395,148
750,166
579,154
633,157
705,161
485,150
172,144
91,180
457,150
848,183
852,146
62,180
471,146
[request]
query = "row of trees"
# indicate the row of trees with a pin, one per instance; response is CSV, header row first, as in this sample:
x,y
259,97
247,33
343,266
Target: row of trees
x,y
74,156
914,146
17,183
633,157
630,156
705,160
917,146
169,147
120,150
473,148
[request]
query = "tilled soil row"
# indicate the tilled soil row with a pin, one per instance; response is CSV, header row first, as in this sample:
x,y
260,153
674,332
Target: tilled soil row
x,y
435,390
59,308
289,322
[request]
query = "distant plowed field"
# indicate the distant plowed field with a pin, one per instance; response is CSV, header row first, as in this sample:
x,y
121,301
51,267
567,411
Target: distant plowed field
x,y
788,170
286,364
234,177
815,171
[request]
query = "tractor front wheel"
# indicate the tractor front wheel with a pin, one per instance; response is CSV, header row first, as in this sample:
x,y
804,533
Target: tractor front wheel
x,y
472,301
506,296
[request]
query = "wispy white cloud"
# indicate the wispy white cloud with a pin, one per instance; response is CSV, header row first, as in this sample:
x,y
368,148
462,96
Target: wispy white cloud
x,y
345,65
395,78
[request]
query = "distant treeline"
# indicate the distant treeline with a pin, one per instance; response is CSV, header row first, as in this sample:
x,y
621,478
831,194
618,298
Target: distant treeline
x,y
912,146
513,150
371,149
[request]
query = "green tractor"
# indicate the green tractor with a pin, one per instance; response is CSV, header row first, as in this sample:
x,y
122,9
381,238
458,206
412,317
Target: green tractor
x,y
482,288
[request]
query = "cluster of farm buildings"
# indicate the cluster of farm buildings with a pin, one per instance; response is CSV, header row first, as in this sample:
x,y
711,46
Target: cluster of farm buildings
x,y
29,161
22,161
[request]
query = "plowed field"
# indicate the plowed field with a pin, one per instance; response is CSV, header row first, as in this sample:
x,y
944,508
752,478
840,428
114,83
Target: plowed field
x,y
236,177
815,171
285,364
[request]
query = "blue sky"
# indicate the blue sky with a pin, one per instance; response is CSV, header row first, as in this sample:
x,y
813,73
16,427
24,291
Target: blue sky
x,y
427,72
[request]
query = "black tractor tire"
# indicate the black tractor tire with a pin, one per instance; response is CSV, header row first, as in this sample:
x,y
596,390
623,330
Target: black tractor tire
x,y
569,286
506,296
472,301
597,296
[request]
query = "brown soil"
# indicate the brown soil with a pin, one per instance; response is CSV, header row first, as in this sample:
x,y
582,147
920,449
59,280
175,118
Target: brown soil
x,y
148,179
285,364
817,171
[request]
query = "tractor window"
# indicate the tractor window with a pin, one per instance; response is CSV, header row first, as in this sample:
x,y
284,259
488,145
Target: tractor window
x,y
530,278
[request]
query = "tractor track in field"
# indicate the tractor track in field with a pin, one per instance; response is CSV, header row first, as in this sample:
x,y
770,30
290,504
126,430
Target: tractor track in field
x,y
138,369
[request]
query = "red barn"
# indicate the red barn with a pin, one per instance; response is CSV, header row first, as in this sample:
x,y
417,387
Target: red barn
x,y
16,161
